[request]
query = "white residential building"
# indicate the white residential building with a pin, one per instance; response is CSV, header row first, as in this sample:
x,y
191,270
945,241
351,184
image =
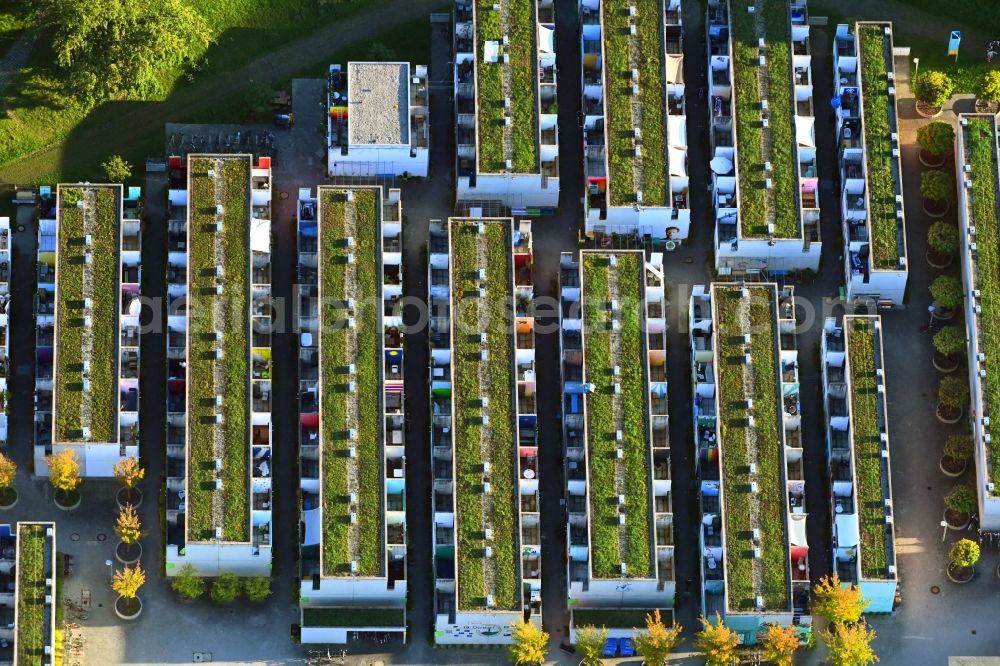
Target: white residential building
x,y
506,122
87,336
763,139
219,368
871,195
352,562
377,120
29,579
617,433
634,119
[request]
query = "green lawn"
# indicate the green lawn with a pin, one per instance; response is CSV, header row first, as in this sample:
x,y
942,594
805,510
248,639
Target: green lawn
x,y
233,369
607,535
73,334
472,446
740,445
342,409
31,591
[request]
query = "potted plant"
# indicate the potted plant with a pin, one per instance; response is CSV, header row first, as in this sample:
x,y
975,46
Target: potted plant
x,y
257,588
942,244
64,475
129,473
949,343
955,455
8,473
932,90
187,583
936,188
953,396
988,92
126,583
963,556
959,505
129,531
226,588
936,140
947,294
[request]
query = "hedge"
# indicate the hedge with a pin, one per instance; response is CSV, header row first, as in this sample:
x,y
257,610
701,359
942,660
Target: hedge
x,y
342,409
609,542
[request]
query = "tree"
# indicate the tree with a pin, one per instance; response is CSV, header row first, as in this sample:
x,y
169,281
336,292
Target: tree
x,y
937,138
942,237
961,499
187,583
964,553
128,527
128,472
934,88
64,471
8,472
226,588
988,88
717,642
531,644
126,583
959,447
850,644
780,644
117,169
590,642
258,98
379,52
257,588
947,291
658,640
936,186
949,341
121,48
836,603
953,392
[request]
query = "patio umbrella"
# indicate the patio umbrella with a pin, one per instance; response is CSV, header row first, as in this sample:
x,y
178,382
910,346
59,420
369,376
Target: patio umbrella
x,y
721,165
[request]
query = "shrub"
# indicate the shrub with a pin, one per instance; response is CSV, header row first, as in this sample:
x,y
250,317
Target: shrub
x,y
953,392
8,471
949,341
937,138
717,643
780,644
988,88
961,499
964,553
257,588
187,583
947,291
128,472
942,237
658,640
934,88
64,470
936,185
530,643
959,447
590,642
117,169
836,603
226,588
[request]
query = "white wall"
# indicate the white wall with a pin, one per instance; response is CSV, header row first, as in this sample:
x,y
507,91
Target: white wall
x,y
368,161
784,255
478,628
885,285
348,590
513,190
880,593
211,559
654,221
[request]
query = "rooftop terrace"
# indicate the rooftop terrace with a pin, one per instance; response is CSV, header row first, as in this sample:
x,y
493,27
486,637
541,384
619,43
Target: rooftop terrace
x,y
34,615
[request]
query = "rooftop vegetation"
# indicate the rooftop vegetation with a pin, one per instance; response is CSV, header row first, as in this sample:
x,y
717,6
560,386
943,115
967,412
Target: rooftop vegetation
x,y
31,591
614,617
76,342
228,376
741,444
611,544
476,442
867,448
981,144
877,111
748,93
649,51
353,617
522,33
343,409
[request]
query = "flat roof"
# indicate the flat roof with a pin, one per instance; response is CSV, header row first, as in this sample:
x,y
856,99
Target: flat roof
x,y
613,293
88,289
379,103
218,323
34,621
742,311
355,213
484,433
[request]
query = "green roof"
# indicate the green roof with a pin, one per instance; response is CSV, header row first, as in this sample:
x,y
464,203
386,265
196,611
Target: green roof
x,y
521,30
229,376
33,623
342,409
740,445
646,53
79,279
607,412
758,205
476,442
351,616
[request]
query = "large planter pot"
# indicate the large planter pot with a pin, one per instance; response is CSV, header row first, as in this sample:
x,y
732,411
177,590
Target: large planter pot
x,y
925,111
959,575
939,261
946,364
956,521
124,611
944,314
128,554
936,209
930,160
68,501
8,499
949,468
131,496
949,415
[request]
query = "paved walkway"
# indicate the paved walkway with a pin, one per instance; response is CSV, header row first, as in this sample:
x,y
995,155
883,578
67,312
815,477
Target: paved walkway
x,y
15,58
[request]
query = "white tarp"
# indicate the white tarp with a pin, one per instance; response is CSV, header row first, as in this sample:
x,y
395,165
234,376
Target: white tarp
x,y
260,236
797,531
721,165
546,40
677,131
491,51
804,131
314,530
678,159
674,67
847,530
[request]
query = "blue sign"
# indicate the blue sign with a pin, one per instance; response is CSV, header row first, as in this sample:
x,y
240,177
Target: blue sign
x,y
954,41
